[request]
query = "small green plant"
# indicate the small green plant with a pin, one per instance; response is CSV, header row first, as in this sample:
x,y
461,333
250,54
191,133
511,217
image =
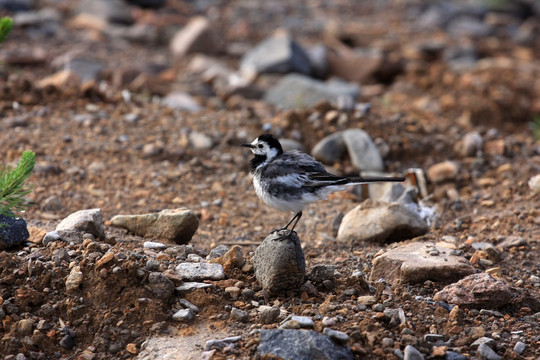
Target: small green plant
x,y
13,187
535,127
6,23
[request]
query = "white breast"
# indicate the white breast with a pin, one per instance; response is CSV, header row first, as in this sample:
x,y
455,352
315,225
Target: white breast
x,y
277,203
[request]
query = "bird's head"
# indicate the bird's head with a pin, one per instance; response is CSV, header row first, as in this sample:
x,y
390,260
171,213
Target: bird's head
x,y
265,146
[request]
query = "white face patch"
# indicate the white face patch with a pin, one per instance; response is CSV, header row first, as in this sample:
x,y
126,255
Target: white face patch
x,y
262,148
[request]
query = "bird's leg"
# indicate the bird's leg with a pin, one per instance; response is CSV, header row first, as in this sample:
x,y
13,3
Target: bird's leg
x,y
295,219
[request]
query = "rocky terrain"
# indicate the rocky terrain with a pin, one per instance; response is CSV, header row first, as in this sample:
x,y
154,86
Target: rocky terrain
x,y
134,107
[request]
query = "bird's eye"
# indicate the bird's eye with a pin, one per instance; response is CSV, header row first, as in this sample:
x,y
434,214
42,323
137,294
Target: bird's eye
x,y
260,146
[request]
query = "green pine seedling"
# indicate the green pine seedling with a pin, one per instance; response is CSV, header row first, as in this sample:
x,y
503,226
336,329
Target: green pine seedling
x,y
535,127
13,187
6,24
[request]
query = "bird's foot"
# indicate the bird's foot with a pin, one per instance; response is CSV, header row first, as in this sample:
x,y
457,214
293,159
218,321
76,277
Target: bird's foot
x,y
282,233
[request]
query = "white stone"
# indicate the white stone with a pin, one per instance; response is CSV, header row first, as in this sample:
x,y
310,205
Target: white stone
x,y
200,271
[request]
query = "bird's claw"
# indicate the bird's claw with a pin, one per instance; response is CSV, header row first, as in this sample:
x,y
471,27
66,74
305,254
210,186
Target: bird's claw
x,y
282,233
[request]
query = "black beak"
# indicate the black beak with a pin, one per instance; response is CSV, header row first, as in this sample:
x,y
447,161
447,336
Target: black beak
x,y
251,146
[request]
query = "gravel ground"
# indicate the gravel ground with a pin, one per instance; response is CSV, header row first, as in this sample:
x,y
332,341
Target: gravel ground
x,y
99,145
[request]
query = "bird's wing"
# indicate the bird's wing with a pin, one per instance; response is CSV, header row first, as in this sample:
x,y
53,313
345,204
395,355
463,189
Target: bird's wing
x,y
325,179
298,169
293,162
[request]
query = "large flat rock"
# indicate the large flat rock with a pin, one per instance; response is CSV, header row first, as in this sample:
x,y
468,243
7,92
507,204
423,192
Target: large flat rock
x,y
417,262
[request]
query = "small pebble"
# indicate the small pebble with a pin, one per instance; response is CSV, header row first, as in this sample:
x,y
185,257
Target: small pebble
x,y
304,321
152,265
221,343
337,336
290,324
328,321
519,348
433,337
487,353
183,315
451,355
189,305
239,315
50,237
248,293
482,340
154,245
269,315
67,342
378,307
387,342
194,258
412,354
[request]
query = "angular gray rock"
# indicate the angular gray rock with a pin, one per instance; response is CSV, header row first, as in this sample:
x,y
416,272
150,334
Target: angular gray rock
x,y
160,285
318,58
321,272
299,91
487,353
362,150
330,149
85,68
279,262
85,221
200,271
519,348
511,241
374,221
477,291
239,315
417,262
183,315
218,251
171,225
268,315
412,354
356,143
13,231
483,340
278,53
301,345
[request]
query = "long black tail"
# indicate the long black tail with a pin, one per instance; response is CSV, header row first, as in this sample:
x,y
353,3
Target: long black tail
x,y
372,179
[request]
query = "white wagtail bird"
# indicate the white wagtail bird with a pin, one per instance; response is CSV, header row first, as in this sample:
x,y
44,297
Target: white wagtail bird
x,y
288,181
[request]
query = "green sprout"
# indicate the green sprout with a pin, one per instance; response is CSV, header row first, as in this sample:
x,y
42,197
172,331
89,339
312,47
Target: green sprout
x,y
13,187
6,23
535,127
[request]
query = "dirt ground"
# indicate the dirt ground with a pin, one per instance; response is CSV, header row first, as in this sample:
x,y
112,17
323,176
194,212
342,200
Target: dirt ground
x,y
89,156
